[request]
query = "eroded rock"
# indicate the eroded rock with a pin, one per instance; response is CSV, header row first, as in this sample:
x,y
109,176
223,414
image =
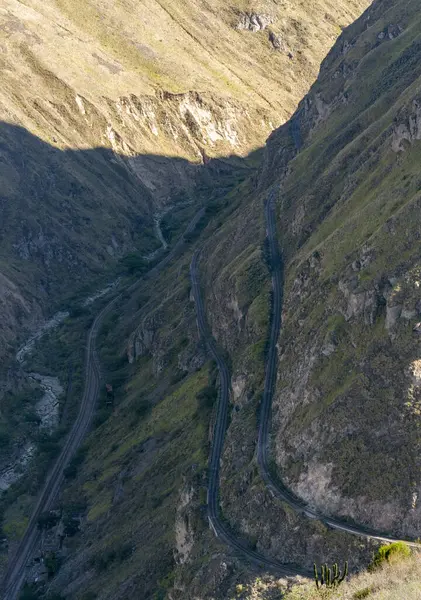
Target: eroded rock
x,y
254,21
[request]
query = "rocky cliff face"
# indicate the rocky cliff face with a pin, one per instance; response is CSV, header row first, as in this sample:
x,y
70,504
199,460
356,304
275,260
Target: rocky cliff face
x,y
349,350
345,419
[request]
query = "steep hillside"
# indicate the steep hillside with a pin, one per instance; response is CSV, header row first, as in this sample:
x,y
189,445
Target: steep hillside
x,y
133,109
65,216
162,87
396,578
346,422
128,60
346,416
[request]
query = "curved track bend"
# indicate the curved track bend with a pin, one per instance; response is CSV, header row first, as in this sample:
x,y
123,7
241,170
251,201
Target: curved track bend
x,y
15,575
276,486
219,528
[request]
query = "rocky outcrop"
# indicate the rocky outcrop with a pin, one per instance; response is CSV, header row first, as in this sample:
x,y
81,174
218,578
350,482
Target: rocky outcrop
x,y
407,127
360,303
184,532
254,21
279,43
390,33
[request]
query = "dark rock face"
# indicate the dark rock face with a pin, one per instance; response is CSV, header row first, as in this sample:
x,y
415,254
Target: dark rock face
x,y
277,42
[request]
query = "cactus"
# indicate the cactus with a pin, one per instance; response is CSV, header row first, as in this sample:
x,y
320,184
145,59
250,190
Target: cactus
x,y
329,578
316,577
344,574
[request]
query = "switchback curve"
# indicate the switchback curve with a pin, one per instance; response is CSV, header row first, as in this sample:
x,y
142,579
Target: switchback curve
x,y
215,521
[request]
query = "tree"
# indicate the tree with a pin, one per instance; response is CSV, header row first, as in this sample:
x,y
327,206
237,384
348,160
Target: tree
x,y
47,520
29,592
52,563
134,263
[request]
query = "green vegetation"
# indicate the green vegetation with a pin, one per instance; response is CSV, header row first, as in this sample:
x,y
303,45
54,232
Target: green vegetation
x,y
206,398
47,520
71,470
134,264
141,478
156,442
348,228
391,553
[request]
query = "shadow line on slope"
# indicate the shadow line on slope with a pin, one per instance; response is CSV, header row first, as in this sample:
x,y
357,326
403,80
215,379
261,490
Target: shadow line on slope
x,y
66,214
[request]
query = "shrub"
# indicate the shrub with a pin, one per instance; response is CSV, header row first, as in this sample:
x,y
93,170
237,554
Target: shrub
x,y
89,596
134,263
70,471
48,445
47,520
118,553
390,553
206,397
141,407
5,437
29,592
178,376
77,311
361,594
52,563
71,526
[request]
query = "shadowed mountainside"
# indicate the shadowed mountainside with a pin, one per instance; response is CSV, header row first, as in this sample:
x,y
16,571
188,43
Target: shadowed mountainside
x,y
65,216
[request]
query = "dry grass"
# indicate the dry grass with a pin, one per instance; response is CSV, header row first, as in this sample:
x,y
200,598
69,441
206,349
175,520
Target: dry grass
x,y
395,581
106,49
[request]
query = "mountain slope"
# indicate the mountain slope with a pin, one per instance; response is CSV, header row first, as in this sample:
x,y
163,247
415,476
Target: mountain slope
x,y
348,390
346,414
105,51
66,215
139,491
344,169
146,81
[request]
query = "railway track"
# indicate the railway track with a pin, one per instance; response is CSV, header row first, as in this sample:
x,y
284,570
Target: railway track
x,y
275,485
277,488
215,521
16,572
